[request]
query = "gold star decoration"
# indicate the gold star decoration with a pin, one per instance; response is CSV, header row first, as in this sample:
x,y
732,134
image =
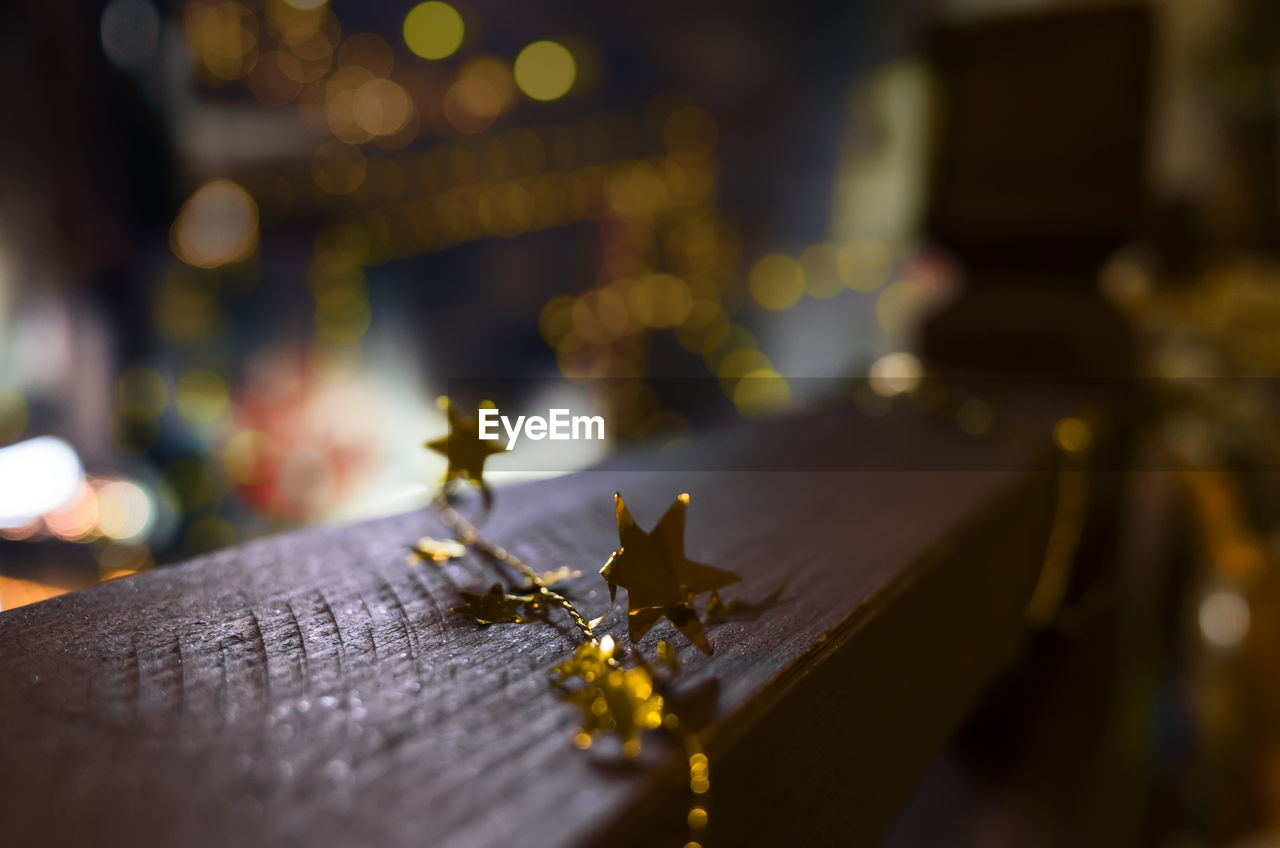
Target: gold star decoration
x,y
660,580
496,605
465,450
611,699
436,550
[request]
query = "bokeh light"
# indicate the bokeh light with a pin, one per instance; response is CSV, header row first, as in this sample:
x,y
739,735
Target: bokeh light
x,y
545,70
223,39
77,518
37,476
218,225
1224,618
821,266
433,30
124,510
865,265
760,391
895,373
201,396
1072,435
777,282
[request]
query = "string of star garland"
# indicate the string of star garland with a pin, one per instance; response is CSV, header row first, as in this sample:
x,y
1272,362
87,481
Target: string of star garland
x,y
617,693
620,693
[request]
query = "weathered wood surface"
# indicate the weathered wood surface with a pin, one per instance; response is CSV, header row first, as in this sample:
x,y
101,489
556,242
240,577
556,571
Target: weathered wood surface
x,y
312,689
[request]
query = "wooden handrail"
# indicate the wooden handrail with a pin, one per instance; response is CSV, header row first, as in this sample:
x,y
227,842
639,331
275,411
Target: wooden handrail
x,y
314,689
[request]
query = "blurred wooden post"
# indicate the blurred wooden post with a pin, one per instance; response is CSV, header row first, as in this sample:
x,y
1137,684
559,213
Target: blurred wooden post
x,y
1038,177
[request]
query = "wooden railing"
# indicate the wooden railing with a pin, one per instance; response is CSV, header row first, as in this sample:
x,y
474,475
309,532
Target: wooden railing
x,y
314,689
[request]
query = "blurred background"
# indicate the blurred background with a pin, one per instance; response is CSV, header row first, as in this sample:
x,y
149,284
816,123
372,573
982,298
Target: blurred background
x,y
245,245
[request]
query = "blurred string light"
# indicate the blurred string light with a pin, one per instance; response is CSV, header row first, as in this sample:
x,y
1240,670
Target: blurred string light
x,y
433,30
124,510
130,31
224,40
1224,618
63,503
776,282
483,90
545,70
218,225
895,374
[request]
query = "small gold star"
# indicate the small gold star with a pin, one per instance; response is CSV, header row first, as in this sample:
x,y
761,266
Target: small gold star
x,y
437,550
464,449
660,580
496,605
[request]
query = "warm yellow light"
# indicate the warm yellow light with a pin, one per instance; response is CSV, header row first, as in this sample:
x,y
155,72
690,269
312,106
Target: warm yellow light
x,y
895,373
433,30
124,510
76,519
471,105
246,453
760,391
741,362
381,107
545,70
864,265
777,282
16,592
1072,435
1224,618
201,396
218,225
821,270
494,71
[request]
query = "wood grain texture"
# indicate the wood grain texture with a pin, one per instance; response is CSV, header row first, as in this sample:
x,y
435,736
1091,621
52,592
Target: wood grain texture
x,y
312,689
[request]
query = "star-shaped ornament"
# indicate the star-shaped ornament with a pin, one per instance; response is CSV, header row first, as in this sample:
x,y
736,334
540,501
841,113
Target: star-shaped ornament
x,y
660,580
496,605
465,450
436,550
